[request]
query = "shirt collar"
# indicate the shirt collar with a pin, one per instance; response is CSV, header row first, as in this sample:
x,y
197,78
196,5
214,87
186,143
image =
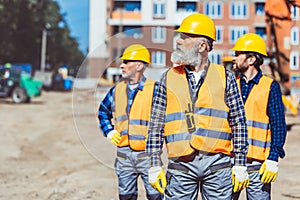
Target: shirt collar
x,y
256,78
189,72
142,83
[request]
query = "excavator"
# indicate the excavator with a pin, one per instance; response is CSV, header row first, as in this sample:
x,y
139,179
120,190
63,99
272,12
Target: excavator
x,y
278,27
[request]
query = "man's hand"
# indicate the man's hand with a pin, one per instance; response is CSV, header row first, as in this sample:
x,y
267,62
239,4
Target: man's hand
x,y
157,178
240,178
115,137
268,171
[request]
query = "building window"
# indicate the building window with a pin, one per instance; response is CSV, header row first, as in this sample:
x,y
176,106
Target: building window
x,y
219,34
294,60
127,6
158,34
213,9
294,36
186,6
259,9
159,9
261,31
158,58
295,12
132,6
216,57
239,10
236,32
133,31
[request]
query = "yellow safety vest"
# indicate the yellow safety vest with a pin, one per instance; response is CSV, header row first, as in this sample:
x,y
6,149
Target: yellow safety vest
x,y
133,127
212,132
259,133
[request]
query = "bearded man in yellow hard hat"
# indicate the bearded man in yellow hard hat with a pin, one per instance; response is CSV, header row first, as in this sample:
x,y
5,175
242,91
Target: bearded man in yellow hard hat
x,y
124,116
200,114
265,115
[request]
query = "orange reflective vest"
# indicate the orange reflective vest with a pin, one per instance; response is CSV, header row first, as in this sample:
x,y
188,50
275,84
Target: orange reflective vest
x,y
133,126
259,134
202,126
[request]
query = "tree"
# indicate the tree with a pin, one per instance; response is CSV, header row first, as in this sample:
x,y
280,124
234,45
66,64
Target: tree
x,y
22,23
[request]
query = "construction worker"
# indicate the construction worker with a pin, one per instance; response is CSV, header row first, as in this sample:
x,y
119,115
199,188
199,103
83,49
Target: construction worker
x,y
199,111
128,104
265,115
7,68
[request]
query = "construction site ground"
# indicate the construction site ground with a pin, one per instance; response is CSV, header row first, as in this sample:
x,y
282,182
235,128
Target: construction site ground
x,y
52,149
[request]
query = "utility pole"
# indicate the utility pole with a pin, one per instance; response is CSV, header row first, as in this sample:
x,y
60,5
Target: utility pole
x,y
43,50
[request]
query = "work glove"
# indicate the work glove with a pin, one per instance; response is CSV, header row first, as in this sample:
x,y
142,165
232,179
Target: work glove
x,y
240,178
114,137
157,178
268,171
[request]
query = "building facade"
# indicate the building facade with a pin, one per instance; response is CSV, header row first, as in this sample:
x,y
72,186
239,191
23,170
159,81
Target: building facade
x,y
116,24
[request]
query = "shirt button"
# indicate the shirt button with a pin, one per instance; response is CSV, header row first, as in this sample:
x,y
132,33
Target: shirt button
x,y
244,97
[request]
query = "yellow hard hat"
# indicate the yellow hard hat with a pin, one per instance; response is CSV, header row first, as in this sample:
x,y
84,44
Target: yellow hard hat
x,y
198,24
7,65
136,52
227,59
251,42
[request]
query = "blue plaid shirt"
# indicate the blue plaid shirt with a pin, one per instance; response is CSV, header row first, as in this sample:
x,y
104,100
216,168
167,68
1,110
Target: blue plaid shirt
x,y
275,111
107,106
237,118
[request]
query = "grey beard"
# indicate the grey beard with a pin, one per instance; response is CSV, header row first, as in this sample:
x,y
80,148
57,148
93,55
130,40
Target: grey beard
x,y
188,58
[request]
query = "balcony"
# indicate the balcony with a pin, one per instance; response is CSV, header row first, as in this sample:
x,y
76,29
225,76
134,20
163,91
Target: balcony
x,y
124,14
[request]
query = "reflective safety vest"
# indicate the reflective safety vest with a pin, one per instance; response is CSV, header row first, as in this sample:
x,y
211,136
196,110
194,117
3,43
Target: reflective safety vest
x,y
133,126
202,126
259,133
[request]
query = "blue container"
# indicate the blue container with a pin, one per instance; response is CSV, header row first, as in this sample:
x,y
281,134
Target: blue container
x,y
68,84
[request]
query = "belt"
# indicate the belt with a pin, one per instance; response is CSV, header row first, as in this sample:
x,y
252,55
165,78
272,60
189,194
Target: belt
x,y
191,157
250,160
124,155
253,168
213,168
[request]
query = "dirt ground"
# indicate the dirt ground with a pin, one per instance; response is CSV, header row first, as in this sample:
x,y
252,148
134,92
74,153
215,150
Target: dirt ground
x,y
52,149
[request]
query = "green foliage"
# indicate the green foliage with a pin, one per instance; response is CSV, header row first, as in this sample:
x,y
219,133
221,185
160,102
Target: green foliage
x,y
21,25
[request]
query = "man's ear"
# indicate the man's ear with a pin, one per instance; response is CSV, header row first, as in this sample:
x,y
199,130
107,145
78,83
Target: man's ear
x,y
203,46
252,60
140,66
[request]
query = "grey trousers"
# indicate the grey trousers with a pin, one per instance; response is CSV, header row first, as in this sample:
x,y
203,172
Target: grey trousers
x,y
129,165
210,173
256,189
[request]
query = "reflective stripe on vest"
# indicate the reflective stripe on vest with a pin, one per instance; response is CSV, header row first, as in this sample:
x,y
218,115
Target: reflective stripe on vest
x,y
259,134
212,132
133,128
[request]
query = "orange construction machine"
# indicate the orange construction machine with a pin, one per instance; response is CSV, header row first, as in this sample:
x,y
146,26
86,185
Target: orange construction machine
x,y
278,27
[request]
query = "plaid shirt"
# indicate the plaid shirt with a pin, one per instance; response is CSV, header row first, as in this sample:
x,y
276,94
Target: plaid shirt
x,y
107,106
275,111
237,118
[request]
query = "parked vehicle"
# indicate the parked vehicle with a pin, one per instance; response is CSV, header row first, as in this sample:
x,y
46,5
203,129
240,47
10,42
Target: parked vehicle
x,y
18,85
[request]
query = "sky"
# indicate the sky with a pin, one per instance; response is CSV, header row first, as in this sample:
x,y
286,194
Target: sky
x,y
77,17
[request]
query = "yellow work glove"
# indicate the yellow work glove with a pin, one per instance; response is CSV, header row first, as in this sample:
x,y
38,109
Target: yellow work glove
x,y
157,178
240,178
115,137
268,171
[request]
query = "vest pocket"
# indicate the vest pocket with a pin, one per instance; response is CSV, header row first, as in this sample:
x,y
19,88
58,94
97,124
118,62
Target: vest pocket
x,y
137,142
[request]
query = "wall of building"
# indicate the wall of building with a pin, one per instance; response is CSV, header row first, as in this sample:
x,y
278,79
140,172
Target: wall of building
x,y
253,21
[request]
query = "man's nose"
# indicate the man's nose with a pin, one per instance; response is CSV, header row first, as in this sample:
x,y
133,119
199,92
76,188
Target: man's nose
x,y
179,40
122,65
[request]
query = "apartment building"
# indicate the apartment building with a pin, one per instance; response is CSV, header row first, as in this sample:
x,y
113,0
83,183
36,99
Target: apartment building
x,y
152,23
